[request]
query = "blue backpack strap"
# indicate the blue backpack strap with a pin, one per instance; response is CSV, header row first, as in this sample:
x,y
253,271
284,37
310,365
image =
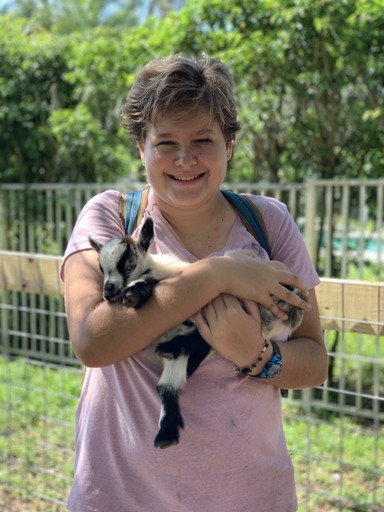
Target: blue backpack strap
x,y
250,217
135,203
132,205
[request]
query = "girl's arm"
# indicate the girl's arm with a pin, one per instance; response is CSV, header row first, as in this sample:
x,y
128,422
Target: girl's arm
x,y
102,333
234,330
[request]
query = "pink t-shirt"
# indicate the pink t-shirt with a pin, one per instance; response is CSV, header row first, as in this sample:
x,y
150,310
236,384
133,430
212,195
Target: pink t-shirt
x,y
232,454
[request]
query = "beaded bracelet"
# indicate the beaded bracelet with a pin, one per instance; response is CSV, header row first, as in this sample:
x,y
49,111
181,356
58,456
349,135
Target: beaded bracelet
x,y
249,369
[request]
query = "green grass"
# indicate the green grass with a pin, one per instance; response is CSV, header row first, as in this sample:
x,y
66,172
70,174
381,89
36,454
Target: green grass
x,y
37,406
337,461
333,460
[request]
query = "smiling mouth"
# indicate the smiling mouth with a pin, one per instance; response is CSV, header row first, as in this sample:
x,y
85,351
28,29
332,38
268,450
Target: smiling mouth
x,y
190,177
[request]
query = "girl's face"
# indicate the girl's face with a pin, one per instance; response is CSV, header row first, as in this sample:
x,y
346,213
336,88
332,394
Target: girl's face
x,y
185,159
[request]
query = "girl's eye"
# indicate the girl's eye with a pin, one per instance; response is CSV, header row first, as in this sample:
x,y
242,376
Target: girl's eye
x,y
203,141
165,143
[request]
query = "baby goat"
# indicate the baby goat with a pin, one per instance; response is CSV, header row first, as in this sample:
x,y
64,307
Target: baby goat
x,y
130,275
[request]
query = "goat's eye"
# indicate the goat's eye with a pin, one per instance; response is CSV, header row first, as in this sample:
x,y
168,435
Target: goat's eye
x,y
101,269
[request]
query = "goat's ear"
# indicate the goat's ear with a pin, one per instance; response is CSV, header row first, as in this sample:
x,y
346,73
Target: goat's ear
x,y
96,245
146,234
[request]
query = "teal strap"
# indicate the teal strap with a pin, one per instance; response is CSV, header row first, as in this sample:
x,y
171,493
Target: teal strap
x,y
132,206
247,211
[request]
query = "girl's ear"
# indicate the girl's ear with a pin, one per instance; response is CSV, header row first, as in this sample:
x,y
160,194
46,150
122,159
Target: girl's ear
x,y
229,148
141,151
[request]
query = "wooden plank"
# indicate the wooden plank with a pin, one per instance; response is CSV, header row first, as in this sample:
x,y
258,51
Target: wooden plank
x,y
34,273
349,306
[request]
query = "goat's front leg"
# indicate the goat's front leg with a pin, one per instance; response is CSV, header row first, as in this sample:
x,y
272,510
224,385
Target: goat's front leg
x,y
137,293
272,327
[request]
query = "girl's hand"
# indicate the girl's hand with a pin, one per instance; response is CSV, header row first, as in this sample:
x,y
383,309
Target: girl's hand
x,y
251,278
232,328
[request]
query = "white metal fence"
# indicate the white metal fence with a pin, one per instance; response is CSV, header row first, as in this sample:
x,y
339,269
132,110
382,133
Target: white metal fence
x,y
342,220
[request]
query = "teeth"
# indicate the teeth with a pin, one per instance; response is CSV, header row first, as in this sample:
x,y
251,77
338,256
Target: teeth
x,y
186,178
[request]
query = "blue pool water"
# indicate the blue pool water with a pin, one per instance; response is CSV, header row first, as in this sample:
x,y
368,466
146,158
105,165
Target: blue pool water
x,y
371,245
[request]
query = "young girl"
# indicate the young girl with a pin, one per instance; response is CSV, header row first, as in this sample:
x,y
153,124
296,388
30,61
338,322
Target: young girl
x,y
232,454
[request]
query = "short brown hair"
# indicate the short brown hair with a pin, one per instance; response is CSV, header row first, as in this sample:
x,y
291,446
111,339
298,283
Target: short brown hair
x,y
181,83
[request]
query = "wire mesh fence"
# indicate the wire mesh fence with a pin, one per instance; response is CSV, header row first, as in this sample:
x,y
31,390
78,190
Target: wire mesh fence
x,y
37,434
342,220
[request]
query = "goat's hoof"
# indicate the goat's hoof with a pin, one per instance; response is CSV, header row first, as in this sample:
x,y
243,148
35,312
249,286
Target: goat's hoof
x,y
164,443
130,300
167,437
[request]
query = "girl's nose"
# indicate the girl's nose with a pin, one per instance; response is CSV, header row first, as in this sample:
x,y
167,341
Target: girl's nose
x,y
186,157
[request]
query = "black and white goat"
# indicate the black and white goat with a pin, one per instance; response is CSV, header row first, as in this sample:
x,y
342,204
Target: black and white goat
x,y
130,275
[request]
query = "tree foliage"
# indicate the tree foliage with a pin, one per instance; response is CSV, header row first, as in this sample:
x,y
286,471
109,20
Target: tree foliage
x,y
67,16
308,79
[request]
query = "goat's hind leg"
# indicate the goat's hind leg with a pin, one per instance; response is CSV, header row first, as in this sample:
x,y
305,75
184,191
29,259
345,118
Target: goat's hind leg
x,y
191,344
198,352
171,382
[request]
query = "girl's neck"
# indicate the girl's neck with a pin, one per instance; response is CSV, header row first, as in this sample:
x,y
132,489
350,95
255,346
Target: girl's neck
x,y
203,230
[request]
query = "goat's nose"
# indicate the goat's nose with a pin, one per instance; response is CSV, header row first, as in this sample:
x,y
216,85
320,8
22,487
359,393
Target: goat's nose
x,y
109,287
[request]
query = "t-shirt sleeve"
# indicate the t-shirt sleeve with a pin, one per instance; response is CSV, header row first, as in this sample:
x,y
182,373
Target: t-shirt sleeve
x,y
285,239
99,218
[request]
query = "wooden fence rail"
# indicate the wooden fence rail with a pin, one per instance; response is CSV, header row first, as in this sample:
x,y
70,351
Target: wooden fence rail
x,y
348,306
33,273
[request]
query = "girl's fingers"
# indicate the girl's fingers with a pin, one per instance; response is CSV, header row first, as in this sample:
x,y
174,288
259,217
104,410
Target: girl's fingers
x,y
286,294
252,309
199,320
276,311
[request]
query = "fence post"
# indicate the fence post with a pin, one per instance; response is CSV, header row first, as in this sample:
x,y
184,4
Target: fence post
x,y
3,223
310,219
